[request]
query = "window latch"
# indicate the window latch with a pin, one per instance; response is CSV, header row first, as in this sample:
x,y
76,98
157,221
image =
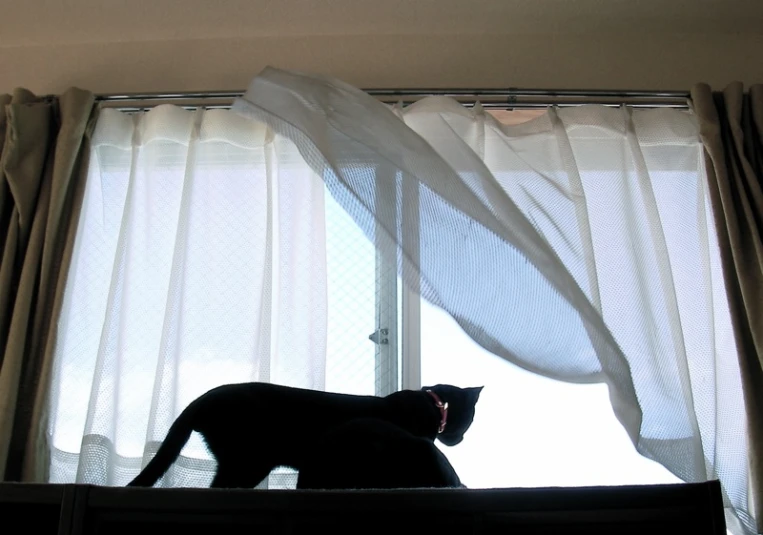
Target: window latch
x,y
379,336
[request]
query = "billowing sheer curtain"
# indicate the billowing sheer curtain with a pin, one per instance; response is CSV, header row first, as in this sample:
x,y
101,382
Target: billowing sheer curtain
x,y
578,245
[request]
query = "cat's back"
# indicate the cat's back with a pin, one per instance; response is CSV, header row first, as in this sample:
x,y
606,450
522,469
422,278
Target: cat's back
x,y
269,398
255,392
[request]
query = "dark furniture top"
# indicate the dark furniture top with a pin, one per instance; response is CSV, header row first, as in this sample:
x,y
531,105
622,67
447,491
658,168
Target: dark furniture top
x,y
84,509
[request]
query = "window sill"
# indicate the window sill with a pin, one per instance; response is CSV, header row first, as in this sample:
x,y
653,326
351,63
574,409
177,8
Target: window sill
x,y
78,509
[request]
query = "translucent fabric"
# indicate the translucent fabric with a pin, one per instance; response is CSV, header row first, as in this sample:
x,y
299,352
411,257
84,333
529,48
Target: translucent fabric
x,y
200,259
578,245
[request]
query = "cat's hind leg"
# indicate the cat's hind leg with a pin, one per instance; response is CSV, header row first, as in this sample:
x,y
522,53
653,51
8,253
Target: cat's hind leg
x,y
228,476
238,467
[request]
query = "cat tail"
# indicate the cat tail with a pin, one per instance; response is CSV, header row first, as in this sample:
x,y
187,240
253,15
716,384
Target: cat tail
x,y
179,433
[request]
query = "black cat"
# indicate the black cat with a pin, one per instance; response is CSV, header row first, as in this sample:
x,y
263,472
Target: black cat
x,y
251,428
368,453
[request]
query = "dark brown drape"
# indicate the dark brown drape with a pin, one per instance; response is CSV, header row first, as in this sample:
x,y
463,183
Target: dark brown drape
x,y
731,125
44,144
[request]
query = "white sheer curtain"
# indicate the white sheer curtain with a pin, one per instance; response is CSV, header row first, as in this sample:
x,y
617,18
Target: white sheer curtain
x,y
200,260
579,246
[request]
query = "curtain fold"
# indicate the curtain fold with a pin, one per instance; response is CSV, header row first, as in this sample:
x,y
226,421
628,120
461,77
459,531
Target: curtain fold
x,y
200,260
578,246
346,135
42,166
731,127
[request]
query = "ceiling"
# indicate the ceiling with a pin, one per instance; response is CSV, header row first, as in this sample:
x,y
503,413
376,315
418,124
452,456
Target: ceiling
x,y
110,46
53,22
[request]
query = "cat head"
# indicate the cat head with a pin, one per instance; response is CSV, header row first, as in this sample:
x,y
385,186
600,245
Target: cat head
x,y
461,406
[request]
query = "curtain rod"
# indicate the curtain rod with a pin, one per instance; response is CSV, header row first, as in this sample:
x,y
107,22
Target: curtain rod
x,y
511,98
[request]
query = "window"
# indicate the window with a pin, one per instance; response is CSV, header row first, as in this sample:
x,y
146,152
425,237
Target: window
x,y
529,431
200,263
174,234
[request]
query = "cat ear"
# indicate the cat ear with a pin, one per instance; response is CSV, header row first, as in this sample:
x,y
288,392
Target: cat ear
x,y
475,391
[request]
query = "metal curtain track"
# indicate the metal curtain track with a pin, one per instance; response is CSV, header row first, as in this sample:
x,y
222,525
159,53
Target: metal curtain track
x,y
507,99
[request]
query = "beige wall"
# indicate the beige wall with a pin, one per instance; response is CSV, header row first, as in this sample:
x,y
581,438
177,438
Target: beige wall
x,y
174,45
